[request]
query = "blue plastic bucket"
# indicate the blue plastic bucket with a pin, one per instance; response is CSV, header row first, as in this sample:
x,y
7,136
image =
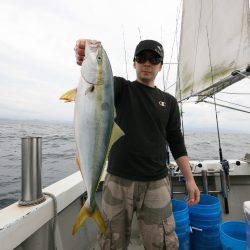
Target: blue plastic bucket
x,y
208,204
200,246
207,238
184,241
233,235
182,224
181,216
248,235
209,234
205,219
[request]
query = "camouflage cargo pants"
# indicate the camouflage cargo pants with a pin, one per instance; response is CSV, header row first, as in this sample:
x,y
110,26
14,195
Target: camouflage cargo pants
x,y
152,203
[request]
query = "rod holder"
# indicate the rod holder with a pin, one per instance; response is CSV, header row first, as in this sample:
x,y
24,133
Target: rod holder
x,y
31,171
224,190
204,181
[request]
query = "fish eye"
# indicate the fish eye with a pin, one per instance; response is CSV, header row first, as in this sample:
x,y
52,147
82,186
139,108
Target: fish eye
x,y
99,59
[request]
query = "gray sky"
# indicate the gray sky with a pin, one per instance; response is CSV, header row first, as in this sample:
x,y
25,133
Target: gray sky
x,y
38,65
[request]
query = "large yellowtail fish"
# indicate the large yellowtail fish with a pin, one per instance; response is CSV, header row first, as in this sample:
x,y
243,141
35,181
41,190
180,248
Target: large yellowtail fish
x,y
95,130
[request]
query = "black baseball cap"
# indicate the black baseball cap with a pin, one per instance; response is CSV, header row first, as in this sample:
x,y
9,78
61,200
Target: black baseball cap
x,y
149,45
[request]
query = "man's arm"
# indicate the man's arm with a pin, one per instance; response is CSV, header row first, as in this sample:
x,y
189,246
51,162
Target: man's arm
x,y
178,149
192,189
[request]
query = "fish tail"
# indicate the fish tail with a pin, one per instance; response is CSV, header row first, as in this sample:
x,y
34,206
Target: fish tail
x,y
81,217
84,214
99,220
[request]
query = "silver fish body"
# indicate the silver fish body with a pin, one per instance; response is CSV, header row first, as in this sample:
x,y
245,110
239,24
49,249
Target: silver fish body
x,y
95,130
94,116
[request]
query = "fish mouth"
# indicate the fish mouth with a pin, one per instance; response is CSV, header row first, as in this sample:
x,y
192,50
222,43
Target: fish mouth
x,y
92,83
88,81
94,44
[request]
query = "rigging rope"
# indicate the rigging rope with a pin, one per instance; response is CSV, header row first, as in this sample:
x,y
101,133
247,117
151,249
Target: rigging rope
x,y
224,106
234,93
54,218
233,103
196,45
170,86
178,75
175,39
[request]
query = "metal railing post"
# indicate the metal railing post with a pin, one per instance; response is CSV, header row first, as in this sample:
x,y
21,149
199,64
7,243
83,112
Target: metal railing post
x,y
31,171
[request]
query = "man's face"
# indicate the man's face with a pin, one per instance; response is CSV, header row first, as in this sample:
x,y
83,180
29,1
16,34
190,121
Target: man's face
x,y
147,71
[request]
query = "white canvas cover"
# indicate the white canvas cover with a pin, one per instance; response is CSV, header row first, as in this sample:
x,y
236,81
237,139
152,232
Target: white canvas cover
x,y
215,41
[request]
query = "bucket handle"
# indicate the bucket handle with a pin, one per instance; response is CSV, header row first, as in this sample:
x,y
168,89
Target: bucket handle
x,y
195,228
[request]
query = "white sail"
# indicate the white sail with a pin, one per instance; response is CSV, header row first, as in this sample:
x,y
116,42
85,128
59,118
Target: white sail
x,y
215,41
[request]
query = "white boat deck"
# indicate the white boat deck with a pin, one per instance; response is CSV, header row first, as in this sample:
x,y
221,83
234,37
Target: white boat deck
x,y
30,227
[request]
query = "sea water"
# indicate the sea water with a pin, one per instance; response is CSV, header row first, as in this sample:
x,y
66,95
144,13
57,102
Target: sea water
x,y
58,151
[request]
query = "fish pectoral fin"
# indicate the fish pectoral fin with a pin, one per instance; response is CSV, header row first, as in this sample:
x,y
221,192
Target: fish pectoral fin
x,y
81,217
99,220
90,89
69,96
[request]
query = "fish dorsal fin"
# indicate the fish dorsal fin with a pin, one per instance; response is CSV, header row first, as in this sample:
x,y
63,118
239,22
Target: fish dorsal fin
x,y
69,96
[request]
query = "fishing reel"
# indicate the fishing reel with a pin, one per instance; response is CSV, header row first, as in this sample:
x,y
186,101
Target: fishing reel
x,y
225,166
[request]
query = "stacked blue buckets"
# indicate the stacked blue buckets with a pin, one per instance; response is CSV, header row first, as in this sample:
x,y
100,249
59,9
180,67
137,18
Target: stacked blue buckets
x,y
205,219
182,224
233,235
208,233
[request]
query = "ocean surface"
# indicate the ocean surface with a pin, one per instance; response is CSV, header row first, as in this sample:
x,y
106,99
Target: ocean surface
x,y
58,151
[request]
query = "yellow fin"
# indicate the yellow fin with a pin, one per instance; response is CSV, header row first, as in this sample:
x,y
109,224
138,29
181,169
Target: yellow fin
x,y
78,161
84,214
115,135
81,217
99,220
69,96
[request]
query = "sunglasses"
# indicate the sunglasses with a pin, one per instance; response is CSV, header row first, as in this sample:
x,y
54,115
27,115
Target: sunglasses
x,y
142,58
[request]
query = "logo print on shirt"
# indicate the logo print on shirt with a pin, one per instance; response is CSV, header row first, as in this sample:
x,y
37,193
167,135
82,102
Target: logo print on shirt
x,y
163,104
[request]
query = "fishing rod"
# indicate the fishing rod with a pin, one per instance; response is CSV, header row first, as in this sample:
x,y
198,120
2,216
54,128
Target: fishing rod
x,y
125,52
139,33
163,69
224,163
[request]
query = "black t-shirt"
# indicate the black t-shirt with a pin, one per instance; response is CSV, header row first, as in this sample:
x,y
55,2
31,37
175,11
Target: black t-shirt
x,y
150,119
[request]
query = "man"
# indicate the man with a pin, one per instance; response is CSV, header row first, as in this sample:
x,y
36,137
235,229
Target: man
x,y
137,175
